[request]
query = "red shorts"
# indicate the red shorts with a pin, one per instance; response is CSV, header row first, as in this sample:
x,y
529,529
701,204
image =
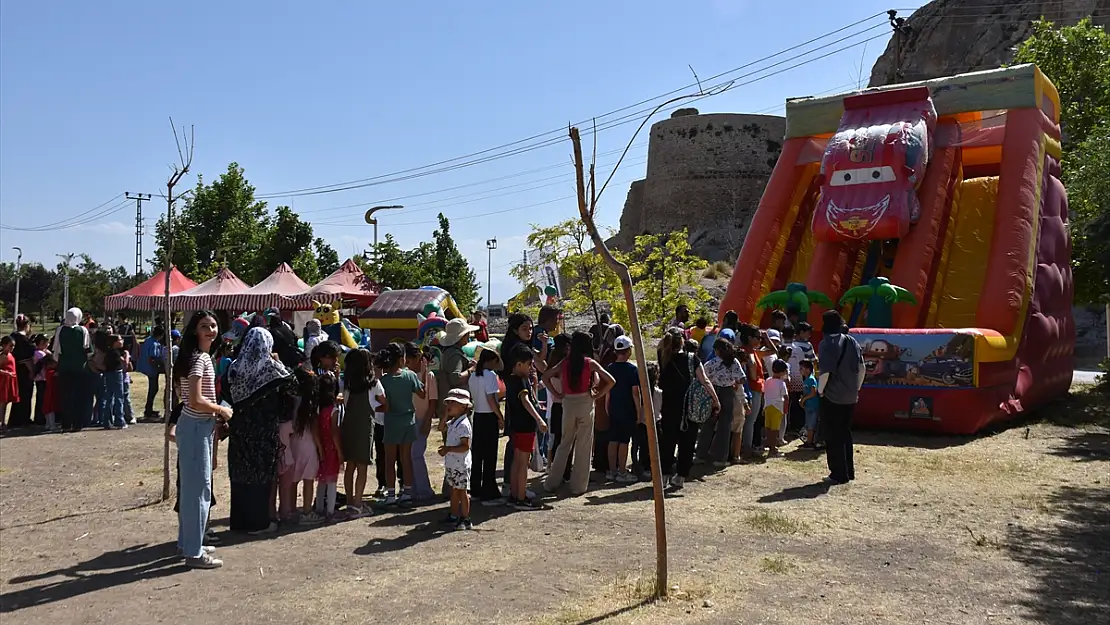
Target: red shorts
x,y
524,441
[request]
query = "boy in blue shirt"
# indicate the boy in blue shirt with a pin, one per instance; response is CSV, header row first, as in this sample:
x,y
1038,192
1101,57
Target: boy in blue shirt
x,y
624,409
809,401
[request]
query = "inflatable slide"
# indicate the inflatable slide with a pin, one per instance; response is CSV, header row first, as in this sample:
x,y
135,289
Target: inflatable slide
x,y
933,214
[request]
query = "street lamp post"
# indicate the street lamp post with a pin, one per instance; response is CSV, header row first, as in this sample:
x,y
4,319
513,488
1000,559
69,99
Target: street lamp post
x,y
18,274
68,258
491,244
373,221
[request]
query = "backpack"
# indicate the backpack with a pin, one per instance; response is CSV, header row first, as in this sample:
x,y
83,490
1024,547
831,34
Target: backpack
x,y
699,406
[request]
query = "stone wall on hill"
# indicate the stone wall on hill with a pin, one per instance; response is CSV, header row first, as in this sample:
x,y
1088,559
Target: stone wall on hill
x,y
706,173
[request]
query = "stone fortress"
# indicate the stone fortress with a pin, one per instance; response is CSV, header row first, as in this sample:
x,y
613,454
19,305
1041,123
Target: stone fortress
x,y
705,172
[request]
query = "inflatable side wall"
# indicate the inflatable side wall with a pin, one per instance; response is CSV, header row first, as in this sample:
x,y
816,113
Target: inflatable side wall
x,y
950,191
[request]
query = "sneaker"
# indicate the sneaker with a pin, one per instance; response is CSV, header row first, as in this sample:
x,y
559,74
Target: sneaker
x,y
490,503
211,537
610,476
390,499
645,476
405,498
204,550
626,478
205,561
310,519
450,519
530,494
464,524
123,427
678,482
526,504
133,421
378,494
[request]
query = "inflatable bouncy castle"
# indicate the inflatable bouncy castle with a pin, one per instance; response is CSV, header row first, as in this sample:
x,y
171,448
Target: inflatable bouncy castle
x,y
933,214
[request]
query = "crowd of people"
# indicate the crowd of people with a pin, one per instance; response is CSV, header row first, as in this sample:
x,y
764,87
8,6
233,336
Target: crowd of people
x,y
297,423
78,377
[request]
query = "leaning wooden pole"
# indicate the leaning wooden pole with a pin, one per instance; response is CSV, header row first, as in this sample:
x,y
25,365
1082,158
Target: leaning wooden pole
x,y
587,210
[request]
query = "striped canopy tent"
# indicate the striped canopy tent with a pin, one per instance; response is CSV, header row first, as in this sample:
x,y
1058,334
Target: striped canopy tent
x,y
151,294
204,295
347,284
271,292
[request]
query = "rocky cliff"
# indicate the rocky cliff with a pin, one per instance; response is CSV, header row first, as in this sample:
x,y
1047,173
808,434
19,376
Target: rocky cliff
x,y
954,36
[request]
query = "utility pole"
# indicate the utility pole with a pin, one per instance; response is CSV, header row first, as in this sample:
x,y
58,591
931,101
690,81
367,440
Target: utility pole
x,y
68,258
898,24
139,199
18,274
491,244
181,168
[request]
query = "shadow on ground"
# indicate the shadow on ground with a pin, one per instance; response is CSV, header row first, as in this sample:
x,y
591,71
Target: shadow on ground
x,y
1071,560
108,570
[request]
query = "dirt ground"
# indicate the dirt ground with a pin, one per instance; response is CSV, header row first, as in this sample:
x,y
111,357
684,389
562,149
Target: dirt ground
x,y
1008,527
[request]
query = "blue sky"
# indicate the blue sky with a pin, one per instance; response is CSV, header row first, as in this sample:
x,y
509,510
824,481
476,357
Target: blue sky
x,y
310,94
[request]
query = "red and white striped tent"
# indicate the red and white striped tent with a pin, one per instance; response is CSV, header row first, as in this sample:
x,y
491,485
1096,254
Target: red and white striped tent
x,y
347,283
204,295
271,292
151,294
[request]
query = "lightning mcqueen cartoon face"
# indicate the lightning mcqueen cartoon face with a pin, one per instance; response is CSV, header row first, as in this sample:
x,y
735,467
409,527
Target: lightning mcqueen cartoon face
x,y
873,166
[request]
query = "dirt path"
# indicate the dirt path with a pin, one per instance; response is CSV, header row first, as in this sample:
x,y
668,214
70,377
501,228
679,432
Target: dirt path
x,y
1008,528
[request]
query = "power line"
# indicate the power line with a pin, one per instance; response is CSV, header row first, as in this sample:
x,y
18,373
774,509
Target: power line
x,y
60,223
515,147
76,221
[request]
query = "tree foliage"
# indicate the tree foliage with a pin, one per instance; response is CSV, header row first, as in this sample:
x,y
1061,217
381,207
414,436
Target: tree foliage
x,y
588,283
1088,180
1077,59
438,263
664,274
41,290
222,224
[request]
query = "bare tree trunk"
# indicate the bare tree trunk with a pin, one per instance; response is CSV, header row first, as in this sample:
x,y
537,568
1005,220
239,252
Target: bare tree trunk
x,y
587,210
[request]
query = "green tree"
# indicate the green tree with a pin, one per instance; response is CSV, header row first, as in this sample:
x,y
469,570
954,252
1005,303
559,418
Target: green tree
x,y
664,274
327,260
1088,181
436,263
221,224
1077,59
450,270
588,283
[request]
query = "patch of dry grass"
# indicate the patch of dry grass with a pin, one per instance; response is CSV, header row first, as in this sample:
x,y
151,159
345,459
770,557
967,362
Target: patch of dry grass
x,y
772,522
777,564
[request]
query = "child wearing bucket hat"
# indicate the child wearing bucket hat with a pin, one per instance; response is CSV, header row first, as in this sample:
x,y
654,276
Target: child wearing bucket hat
x,y
456,456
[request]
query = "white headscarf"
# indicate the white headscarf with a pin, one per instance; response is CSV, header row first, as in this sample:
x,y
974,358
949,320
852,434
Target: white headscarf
x,y
255,368
73,316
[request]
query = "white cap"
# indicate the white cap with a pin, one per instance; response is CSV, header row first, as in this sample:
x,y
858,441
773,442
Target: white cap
x,y
622,343
459,396
774,335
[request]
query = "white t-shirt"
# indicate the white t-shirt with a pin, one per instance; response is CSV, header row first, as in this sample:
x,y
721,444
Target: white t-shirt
x,y
458,429
799,351
481,387
377,391
775,393
657,403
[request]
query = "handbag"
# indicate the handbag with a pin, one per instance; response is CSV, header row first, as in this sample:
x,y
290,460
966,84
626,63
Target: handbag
x,y
699,405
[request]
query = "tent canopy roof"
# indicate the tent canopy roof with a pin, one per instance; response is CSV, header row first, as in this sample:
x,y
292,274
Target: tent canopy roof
x,y
283,281
156,285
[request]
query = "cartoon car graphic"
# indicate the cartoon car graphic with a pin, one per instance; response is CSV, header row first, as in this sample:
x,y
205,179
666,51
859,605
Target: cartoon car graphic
x,y
873,166
881,360
950,370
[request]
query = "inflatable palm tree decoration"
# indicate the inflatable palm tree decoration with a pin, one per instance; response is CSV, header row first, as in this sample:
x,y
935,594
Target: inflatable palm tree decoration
x,y
797,297
880,297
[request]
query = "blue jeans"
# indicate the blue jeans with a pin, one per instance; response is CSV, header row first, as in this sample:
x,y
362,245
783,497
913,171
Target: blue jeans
x,y
126,400
811,418
748,434
110,406
194,457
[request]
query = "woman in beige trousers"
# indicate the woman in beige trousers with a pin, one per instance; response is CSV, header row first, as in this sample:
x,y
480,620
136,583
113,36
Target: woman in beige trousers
x,y
583,380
